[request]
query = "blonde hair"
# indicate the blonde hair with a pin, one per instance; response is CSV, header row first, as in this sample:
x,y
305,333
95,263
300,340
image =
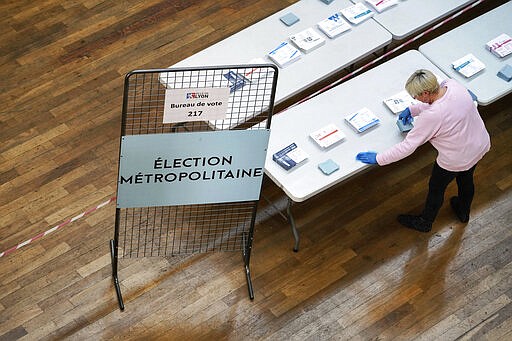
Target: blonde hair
x,y
420,81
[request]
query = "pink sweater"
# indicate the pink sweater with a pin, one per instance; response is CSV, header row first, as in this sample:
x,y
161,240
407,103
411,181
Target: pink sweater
x,y
451,124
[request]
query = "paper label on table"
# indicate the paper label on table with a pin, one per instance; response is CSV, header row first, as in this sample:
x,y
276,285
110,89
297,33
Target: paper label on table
x,y
195,104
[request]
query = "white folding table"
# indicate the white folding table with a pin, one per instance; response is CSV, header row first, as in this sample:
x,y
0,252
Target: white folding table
x,y
471,37
259,39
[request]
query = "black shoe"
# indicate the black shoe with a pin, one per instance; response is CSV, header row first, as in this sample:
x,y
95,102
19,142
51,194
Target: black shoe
x,y
454,203
414,222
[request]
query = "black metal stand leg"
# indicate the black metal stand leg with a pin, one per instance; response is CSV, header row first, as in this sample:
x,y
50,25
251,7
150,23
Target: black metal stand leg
x,y
246,253
292,225
249,281
113,255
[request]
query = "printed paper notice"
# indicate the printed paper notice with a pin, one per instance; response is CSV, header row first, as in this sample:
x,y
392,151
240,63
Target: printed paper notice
x,y
196,104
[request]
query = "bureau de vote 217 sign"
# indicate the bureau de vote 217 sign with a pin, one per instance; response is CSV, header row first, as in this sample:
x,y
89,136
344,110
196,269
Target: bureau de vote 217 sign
x,y
194,167
197,104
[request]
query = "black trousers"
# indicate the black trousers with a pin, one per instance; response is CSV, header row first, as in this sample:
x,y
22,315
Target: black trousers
x,y
439,180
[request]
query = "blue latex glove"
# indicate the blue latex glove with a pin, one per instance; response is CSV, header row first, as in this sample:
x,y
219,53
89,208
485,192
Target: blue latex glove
x,y
367,157
405,116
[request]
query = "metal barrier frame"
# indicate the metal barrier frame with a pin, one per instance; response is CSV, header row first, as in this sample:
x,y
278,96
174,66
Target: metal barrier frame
x,y
197,228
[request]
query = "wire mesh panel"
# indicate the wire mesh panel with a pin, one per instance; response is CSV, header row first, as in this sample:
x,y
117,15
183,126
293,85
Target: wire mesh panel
x,y
173,230
251,88
195,228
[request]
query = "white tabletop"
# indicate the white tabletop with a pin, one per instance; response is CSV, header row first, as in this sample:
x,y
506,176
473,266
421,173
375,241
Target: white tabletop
x,y
410,16
471,37
259,39
366,90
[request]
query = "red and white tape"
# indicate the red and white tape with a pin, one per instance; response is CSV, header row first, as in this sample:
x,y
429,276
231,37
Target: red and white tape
x,y
386,54
55,228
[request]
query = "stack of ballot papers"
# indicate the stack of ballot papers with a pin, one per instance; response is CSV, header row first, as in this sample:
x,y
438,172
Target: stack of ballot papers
x,y
327,136
362,120
357,13
290,156
284,54
381,5
399,101
307,40
334,25
468,65
500,46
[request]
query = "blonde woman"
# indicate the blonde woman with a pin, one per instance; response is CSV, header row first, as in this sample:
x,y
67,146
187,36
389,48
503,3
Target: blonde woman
x,y
447,118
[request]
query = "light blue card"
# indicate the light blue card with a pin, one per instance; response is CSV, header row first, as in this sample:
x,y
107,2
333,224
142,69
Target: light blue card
x,y
506,73
289,19
328,167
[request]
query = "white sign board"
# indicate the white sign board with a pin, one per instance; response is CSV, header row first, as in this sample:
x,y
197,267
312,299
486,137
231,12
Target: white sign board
x,y
195,104
191,168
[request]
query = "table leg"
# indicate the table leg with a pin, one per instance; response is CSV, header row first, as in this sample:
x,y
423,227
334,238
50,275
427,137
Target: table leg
x,y
288,217
292,224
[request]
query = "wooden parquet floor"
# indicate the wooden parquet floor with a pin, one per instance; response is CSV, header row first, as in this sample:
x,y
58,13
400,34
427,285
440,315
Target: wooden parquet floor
x,y
357,276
